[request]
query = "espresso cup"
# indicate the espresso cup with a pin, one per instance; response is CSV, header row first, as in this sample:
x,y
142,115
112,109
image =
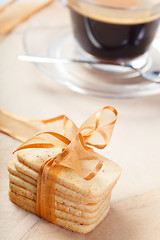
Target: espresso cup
x,y
116,31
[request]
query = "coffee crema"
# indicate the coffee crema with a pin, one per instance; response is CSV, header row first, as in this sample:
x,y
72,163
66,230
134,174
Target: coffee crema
x,y
127,3
113,38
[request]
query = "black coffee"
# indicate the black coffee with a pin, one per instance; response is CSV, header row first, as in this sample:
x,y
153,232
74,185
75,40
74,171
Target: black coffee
x,y
113,41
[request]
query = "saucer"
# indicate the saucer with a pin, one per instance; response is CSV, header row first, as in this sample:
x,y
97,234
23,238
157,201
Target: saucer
x,y
100,81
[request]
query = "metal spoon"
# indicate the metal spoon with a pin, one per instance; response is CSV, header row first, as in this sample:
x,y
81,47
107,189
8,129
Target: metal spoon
x,y
153,76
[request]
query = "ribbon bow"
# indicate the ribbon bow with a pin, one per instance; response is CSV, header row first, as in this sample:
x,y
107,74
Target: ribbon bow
x,y
76,144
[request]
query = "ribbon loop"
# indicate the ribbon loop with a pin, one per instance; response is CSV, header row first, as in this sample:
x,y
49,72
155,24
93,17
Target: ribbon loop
x,y
95,129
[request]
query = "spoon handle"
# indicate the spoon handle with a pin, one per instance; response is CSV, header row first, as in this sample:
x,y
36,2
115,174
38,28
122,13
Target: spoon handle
x,y
37,59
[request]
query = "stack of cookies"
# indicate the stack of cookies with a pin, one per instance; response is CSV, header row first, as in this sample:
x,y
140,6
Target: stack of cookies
x,y
80,205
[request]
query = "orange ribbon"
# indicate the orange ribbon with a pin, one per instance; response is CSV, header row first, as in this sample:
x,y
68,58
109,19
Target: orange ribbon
x,y
76,145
